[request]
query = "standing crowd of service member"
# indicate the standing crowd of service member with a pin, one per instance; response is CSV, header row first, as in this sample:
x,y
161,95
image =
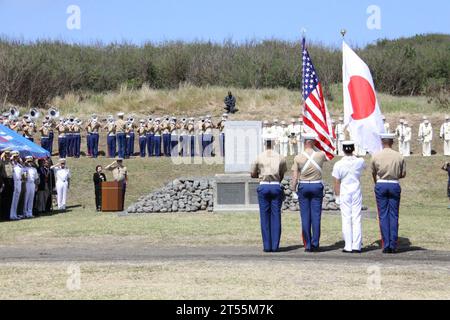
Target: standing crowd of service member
x,y
27,185
387,166
288,137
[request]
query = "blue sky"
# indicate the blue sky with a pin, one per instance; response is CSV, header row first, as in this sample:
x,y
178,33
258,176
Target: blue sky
x,y
139,21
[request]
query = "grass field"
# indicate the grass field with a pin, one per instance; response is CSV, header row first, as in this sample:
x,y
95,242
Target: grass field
x,y
424,224
189,100
241,271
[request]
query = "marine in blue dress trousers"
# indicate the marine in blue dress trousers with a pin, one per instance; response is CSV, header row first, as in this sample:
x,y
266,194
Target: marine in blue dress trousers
x,y
388,167
307,181
270,167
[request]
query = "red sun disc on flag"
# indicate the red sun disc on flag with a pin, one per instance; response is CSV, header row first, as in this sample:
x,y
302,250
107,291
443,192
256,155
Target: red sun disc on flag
x,y
362,96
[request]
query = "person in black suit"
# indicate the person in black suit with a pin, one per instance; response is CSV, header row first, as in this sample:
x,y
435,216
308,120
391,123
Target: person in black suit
x,y
99,177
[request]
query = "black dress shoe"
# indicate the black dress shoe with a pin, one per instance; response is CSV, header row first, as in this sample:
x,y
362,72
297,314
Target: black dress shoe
x,y
393,251
267,251
356,251
314,249
308,250
345,251
387,250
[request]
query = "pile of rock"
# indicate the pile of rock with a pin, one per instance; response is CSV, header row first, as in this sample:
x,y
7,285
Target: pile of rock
x,y
197,194
180,195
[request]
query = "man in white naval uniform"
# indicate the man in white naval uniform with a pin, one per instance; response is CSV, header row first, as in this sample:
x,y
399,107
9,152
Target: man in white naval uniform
x,y
276,130
340,135
293,132
266,132
347,173
31,182
284,139
387,126
426,136
444,134
18,178
301,131
62,177
407,140
400,133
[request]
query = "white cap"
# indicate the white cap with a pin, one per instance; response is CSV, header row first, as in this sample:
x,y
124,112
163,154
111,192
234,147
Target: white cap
x,y
424,118
266,122
62,160
426,121
402,121
348,143
269,137
390,136
309,136
120,114
283,123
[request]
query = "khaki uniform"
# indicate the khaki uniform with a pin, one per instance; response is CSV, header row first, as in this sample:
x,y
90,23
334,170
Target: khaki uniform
x,y
269,166
120,125
311,172
388,165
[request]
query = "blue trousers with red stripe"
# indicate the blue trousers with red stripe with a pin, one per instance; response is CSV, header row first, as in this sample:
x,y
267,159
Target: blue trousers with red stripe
x,y
310,197
388,201
150,144
270,198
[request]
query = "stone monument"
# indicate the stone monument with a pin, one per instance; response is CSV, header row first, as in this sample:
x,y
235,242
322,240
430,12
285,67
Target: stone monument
x,y
236,190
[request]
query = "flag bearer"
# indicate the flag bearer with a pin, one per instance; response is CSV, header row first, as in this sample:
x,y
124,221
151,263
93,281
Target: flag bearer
x,y
388,167
270,167
347,186
307,180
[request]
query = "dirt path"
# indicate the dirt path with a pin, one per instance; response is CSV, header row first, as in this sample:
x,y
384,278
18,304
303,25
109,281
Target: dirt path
x,y
142,252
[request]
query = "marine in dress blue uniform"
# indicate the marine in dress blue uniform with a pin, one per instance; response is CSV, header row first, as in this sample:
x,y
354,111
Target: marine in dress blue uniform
x,y
120,135
307,181
388,167
270,167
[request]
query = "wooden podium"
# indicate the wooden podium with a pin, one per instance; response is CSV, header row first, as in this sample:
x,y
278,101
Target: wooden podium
x,y
112,196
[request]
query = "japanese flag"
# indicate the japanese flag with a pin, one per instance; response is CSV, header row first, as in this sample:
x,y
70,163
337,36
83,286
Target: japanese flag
x,y
362,114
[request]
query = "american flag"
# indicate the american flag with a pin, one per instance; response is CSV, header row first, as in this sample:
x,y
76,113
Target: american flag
x,y
315,113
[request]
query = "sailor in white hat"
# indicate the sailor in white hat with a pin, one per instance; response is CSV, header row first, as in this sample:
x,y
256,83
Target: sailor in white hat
x,y
426,137
400,134
31,182
387,126
62,177
347,186
307,181
407,140
388,167
340,135
17,178
284,139
444,134
266,131
293,132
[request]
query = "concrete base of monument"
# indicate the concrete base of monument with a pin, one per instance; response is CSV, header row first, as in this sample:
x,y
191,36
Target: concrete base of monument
x,y
235,192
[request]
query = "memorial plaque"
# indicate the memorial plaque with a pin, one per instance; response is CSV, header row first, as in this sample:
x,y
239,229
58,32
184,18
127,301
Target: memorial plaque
x,y
231,193
243,143
252,193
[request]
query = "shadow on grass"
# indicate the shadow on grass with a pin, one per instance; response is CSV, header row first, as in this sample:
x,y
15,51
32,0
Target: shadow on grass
x,y
404,245
290,248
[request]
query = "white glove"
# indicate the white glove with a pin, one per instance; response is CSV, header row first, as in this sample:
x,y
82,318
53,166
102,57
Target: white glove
x,y
338,200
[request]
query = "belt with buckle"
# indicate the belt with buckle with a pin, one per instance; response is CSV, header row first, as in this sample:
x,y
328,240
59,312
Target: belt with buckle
x,y
267,182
